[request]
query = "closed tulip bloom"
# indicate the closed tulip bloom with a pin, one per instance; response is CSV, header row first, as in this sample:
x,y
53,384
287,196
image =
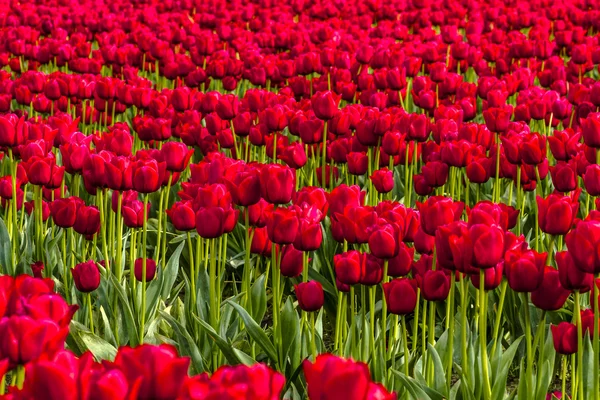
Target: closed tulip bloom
x,y
260,242
564,337
348,267
564,176
86,276
213,222
401,295
325,105
148,175
591,179
383,180
383,241
533,150
11,130
344,196
372,270
87,221
176,155
138,269
438,211
497,119
550,296
400,265
133,213
590,129
423,242
571,277
333,377
492,277
182,216
435,285
524,269
435,173
478,171
277,183
243,184
310,296
282,225
227,106
119,173
64,211
310,235
582,243
291,261
256,382
556,213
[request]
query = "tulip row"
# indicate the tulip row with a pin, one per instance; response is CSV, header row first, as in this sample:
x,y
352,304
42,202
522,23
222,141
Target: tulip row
x,y
264,183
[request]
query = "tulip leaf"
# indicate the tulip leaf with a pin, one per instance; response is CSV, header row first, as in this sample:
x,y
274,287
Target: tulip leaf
x,y
439,383
171,271
5,249
226,348
259,298
291,327
86,340
185,343
499,384
416,390
255,331
127,313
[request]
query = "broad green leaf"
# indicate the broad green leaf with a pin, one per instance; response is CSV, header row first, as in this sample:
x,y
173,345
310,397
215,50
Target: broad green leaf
x,y
499,383
258,297
126,312
5,249
256,332
416,390
226,348
185,343
439,383
171,271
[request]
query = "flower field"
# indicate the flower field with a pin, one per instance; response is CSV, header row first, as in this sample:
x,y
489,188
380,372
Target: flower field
x,y
314,199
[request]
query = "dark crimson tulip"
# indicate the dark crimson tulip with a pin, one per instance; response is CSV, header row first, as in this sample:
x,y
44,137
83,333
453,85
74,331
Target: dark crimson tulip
x,y
590,130
438,211
372,270
492,277
421,186
587,322
310,235
86,276
557,213
333,377
383,180
259,213
310,295
87,221
133,213
275,118
148,175
37,269
564,176
383,240
444,236
564,337
45,172
550,295
325,105
312,196
401,295
257,382
157,371
435,285
74,156
11,130
348,267
182,216
291,261
582,242
478,170
400,265
482,247
213,222
435,173
423,242
571,277
524,269
119,173
243,183
497,119
293,155
283,225
176,156
277,183
533,150
227,106
25,338
260,242
64,211
591,179
488,213
344,196
138,269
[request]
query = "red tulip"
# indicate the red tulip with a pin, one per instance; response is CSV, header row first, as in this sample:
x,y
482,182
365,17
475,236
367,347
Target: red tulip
x,y
571,277
564,336
550,295
138,269
435,285
557,213
401,295
182,216
524,269
283,225
325,105
348,266
86,276
582,242
438,211
277,183
310,295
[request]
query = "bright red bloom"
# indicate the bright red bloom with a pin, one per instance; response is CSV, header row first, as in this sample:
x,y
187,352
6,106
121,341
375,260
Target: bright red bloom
x,y
310,295
401,295
557,213
564,336
86,276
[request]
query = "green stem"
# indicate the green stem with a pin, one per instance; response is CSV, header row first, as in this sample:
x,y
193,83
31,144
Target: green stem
x,y
90,312
498,321
144,260
487,391
529,371
313,335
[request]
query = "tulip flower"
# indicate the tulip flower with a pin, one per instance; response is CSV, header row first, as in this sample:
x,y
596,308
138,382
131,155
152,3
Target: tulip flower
x,y
401,295
86,276
310,295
